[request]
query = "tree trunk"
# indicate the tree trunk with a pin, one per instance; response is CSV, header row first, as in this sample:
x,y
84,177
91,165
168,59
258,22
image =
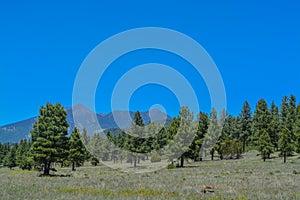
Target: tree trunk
x,y
284,157
47,168
73,166
264,159
212,155
134,163
244,144
181,161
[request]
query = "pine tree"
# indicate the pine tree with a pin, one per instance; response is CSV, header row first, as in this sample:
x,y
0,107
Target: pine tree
x,y
284,109
95,146
261,121
77,152
213,133
291,117
275,125
195,147
135,140
23,158
173,128
49,136
10,159
296,130
179,147
4,150
85,137
245,124
265,145
229,142
185,134
286,143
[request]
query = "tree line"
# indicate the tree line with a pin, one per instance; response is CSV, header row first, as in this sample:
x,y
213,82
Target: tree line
x,y
268,129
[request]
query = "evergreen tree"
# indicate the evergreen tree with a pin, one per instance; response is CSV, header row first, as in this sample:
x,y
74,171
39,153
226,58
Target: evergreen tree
x,y
213,133
291,117
245,124
286,143
10,158
265,145
275,125
296,130
160,140
185,134
49,136
4,150
173,128
77,152
85,137
95,146
23,158
195,147
261,121
229,144
135,138
284,109
179,146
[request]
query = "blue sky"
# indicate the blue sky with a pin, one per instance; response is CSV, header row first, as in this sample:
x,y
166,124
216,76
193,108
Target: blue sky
x,y
255,44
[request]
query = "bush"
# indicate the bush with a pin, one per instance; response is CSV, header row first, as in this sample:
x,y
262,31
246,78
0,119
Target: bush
x,y
171,166
155,157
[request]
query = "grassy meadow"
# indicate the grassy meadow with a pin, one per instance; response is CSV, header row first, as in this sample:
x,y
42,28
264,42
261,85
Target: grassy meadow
x,y
247,178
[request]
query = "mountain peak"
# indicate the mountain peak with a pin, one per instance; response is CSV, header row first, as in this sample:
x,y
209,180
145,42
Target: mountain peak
x,y
82,117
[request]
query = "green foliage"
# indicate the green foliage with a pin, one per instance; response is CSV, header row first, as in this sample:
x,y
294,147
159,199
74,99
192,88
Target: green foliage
x,y
10,158
179,146
155,157
77,150
184,138
23,157
49,136
4,150
296,130
265,145
245,124
286,143
94,161
213,133
195,147
230,149
171,166
261,121
135,138
274,125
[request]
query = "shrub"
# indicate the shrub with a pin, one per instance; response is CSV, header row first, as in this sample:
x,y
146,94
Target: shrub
x,y
155,157
171,166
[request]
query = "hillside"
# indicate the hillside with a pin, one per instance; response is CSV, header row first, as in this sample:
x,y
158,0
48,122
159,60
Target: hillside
x,y
85,118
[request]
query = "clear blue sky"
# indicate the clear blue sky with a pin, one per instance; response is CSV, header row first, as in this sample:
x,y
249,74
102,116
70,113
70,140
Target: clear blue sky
x,y
255,44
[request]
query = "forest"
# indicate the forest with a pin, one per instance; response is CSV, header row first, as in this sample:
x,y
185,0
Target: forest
x,y
267,129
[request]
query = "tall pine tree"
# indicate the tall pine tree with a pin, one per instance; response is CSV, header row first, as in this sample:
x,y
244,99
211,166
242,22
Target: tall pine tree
x,y
265,145
275,125
77,152
261,121
286,143
49,136
245,124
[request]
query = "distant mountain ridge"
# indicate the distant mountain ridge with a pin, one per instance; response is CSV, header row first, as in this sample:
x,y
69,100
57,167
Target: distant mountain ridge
x,y
83,118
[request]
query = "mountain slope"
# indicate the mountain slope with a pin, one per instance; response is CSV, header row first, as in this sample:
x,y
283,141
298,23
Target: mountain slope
x,y
84,118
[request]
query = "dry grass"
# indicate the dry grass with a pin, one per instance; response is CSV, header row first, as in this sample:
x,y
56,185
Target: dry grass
x,y
247,178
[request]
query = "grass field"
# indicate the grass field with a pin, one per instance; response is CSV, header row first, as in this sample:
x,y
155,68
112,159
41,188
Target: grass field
x,y
247,178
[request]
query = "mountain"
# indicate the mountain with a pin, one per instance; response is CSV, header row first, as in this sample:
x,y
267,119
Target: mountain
x,y
82,117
